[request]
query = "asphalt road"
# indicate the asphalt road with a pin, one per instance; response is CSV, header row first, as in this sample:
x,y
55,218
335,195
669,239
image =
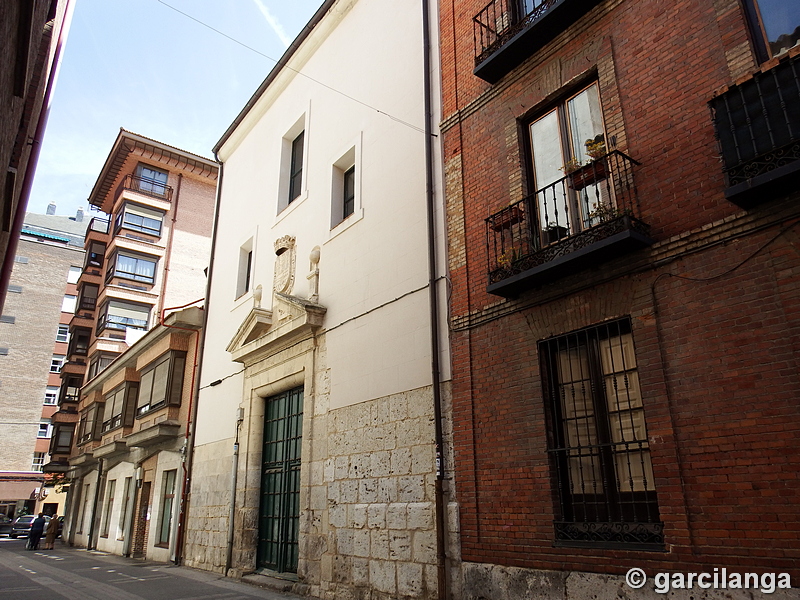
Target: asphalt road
x,y
80,575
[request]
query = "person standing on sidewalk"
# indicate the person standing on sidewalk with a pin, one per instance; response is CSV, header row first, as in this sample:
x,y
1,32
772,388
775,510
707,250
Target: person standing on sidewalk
x,y
51,532
37,529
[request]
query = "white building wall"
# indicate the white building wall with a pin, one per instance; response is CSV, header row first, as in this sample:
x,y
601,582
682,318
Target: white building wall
x,y
372,352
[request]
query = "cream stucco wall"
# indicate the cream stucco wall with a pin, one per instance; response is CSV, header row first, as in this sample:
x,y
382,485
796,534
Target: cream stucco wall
x,y
365,364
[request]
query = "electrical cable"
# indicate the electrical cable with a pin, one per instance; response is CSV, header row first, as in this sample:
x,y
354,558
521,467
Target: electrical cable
x,y
285,66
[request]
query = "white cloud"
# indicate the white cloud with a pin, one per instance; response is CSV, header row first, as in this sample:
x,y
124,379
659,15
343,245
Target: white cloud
x,y
273,23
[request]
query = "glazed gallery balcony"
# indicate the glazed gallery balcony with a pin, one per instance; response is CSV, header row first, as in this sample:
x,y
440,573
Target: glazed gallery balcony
x,y
758,128
506,32
583,219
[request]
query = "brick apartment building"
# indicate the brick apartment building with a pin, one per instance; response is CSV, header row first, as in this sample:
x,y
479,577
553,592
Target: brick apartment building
x,y
623,204
130,363
34,336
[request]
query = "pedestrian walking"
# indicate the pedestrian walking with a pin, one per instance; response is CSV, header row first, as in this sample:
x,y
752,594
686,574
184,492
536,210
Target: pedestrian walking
x,y
37,529
51,532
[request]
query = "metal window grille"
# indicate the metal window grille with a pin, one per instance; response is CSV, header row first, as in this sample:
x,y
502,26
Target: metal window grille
x,y
598,442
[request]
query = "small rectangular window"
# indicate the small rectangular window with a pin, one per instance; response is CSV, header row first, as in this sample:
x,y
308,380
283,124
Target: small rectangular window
x,y
44,429
139,218
62,438
123,315
95,255
168,498
62,335
7,319
51,395
23,260
123,514
56,363
74,274
296,170
88,296
38,462
108,508
245,268
3,351
15,289
69,303
349,192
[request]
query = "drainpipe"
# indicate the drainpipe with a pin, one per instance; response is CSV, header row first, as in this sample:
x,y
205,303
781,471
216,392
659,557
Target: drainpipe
x,y
234,477
192,425
441,550
92,543
33,156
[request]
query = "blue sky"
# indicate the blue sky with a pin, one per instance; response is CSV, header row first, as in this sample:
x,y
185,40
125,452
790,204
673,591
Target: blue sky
x,y
140,65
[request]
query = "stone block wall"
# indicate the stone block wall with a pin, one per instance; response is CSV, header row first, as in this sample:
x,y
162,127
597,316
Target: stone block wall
x,y
370,527
209,503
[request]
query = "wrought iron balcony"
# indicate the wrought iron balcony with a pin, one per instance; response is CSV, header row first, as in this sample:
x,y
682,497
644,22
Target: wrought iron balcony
x,y
584,218
146,186
758,127
506,32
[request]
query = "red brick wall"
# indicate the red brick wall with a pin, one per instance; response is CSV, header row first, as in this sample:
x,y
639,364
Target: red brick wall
x,y
717,359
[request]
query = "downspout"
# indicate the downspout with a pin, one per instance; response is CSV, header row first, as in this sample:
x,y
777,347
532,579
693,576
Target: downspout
x,y
234,478
180,520
33,157
168,252
91,544
441,550
191,427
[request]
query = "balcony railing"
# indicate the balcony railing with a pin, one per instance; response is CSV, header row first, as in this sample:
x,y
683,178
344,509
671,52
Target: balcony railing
x,y
586,216
146,186
506,32
758,127
97,224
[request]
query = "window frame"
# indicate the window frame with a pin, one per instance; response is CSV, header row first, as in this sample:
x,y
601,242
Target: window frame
x,y
86,302
296,160
62,334
113,270
175,366
758,32
577,202
57,363
61,430
37,464
51,393
596,504
104,323
94,258
125,220
47,432
169,482
118,408
109,506
152,186
72,382
89,424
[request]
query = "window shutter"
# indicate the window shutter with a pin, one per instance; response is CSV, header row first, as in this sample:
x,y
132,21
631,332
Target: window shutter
x,y
145,389
160,379
176,381
129,407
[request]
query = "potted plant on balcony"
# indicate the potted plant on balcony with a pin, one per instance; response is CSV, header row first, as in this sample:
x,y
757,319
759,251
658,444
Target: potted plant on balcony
x,y
507,217
507,258
580,175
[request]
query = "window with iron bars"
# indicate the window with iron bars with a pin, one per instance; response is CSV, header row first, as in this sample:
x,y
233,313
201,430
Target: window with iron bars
x,y
598,443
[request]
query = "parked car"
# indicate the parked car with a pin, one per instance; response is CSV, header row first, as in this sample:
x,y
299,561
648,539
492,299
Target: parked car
x,y
5,525
22,525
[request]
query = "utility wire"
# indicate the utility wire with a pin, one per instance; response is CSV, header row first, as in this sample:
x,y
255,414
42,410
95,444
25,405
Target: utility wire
x,y
285,66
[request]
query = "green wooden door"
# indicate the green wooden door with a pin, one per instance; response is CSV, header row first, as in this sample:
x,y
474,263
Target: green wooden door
x,y
279,520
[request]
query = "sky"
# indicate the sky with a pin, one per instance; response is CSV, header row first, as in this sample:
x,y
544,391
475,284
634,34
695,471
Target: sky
x,y
142,66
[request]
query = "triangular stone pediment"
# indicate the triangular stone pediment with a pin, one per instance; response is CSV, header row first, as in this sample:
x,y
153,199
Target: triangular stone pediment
x,y
256,324
263,329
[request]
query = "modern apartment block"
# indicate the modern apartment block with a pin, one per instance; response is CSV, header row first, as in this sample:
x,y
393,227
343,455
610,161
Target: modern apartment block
x,y
34,333
623,208
145,258
325,365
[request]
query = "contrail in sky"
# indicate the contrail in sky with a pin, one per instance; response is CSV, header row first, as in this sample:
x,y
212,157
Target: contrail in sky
x,y
273,22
